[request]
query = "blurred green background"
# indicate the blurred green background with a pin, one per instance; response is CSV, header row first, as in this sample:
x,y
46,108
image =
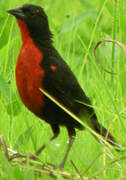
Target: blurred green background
x,y
77,25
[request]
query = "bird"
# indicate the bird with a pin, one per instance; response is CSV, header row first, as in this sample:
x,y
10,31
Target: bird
x,y
40,66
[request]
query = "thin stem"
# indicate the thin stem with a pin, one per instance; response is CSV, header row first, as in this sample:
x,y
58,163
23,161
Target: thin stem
x,y
114,35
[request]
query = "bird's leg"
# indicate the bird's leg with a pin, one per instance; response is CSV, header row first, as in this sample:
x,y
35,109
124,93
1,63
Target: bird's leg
x,y
61,166
72,133
55,132
44,145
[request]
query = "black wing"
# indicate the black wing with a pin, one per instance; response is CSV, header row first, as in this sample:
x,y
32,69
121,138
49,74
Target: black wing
x,y
61,82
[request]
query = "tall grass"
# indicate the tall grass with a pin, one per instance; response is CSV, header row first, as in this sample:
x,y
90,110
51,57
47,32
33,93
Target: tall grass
x,y
114,36
77,26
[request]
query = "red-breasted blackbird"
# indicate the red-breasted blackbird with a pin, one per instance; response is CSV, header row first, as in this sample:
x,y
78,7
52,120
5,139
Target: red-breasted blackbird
x,y
39,65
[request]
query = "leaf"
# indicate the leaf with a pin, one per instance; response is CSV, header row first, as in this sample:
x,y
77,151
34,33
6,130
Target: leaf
x,y
14,107
5,27
74,22
122,78
86,4
23,138
4,89
7,52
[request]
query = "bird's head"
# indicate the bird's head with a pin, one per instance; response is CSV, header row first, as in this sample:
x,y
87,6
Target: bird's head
x,y
34,18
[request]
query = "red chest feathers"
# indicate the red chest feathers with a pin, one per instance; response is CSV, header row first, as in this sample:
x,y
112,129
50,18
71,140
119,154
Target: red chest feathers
x,y
29,76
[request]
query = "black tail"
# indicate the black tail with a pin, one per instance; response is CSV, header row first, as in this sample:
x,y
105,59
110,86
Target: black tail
x,y
106,135
98,128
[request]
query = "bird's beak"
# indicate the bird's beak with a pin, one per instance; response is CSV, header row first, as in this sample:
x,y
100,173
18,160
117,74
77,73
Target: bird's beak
x,y
17,12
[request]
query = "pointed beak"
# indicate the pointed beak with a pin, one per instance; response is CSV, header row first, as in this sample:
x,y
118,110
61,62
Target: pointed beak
x,y
17,12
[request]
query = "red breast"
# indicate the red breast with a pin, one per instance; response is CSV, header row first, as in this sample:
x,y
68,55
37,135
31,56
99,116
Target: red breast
x,y
29,74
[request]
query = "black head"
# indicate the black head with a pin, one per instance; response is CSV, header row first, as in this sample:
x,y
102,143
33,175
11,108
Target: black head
x,y
35,18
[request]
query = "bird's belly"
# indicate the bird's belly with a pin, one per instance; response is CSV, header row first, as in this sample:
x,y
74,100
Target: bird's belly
x,y
29,93
29,76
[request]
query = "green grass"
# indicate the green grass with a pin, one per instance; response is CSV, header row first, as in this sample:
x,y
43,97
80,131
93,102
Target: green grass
x,y
77,27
